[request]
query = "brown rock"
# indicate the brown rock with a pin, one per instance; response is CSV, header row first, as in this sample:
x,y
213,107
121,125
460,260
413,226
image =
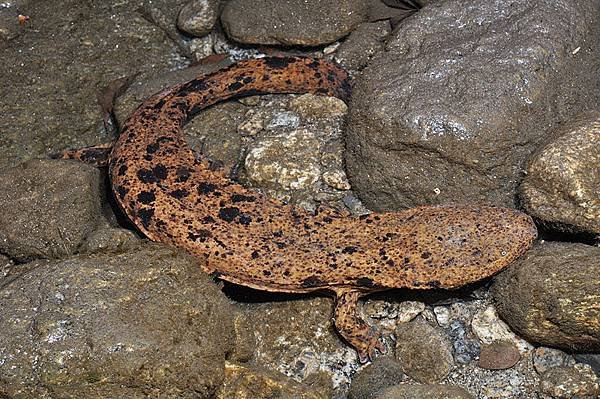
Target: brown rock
x,y
563,179
198,17
499,355
578,381
383,373
551,296
424,392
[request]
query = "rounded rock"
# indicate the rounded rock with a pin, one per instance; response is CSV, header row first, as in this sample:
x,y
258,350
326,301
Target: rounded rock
x,y
423,351
291,22
550,296
145,322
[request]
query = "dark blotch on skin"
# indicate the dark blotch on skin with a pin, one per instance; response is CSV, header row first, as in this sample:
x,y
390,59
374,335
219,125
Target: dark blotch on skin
x,y
160,171
229,214
206,188
122,170
255,254
235,86
278,63
145,215
122,191
152,148
311,281
365,282
349,250
179,193
146,176
146,197
245,220
201,234
242,198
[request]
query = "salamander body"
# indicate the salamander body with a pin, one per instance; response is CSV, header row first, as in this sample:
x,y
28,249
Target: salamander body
x,y
175,196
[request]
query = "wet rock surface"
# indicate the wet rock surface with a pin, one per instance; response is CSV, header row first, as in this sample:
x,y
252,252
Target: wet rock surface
x,y
198,17
563,179
453,107
291,22
36,196
362,45
56,64
146,322
550,296
425,353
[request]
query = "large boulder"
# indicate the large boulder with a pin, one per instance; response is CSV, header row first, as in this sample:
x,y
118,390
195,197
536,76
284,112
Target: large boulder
x,y
463,94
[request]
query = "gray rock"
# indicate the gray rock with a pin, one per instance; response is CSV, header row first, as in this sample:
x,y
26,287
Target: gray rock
x,y
198,17
362,44
550,296
424,392
563,179
578,381
593,359
452,110
383,373
147,322
423,351
49,208
291,22
546,358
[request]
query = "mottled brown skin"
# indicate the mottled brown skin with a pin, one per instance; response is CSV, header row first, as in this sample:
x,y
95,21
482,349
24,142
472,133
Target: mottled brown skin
x,y
175,196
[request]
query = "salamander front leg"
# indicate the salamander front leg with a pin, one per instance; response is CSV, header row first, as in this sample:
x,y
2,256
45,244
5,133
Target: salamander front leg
x,y
352,326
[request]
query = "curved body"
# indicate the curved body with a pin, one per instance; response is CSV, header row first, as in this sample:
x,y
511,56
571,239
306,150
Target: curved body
x,y
174,196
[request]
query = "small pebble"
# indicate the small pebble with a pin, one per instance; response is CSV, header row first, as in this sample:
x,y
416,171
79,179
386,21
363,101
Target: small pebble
x,y
498,355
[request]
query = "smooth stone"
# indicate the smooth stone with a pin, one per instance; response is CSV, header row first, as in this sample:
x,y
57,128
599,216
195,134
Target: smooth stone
x,y
383,373
432,391
362,45
291,22
198,17
424,352
578,381
498,355
550,296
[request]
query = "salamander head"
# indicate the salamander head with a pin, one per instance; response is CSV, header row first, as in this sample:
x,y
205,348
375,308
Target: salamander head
x,y
475,242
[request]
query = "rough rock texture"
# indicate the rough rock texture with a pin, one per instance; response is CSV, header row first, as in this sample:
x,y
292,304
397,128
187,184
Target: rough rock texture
x,y
424,392
49,207
578,381
247,382
54,67
198,17
453,108
562,185
362,44
295,336
291,22
144,323
383,373
551,296
424,352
